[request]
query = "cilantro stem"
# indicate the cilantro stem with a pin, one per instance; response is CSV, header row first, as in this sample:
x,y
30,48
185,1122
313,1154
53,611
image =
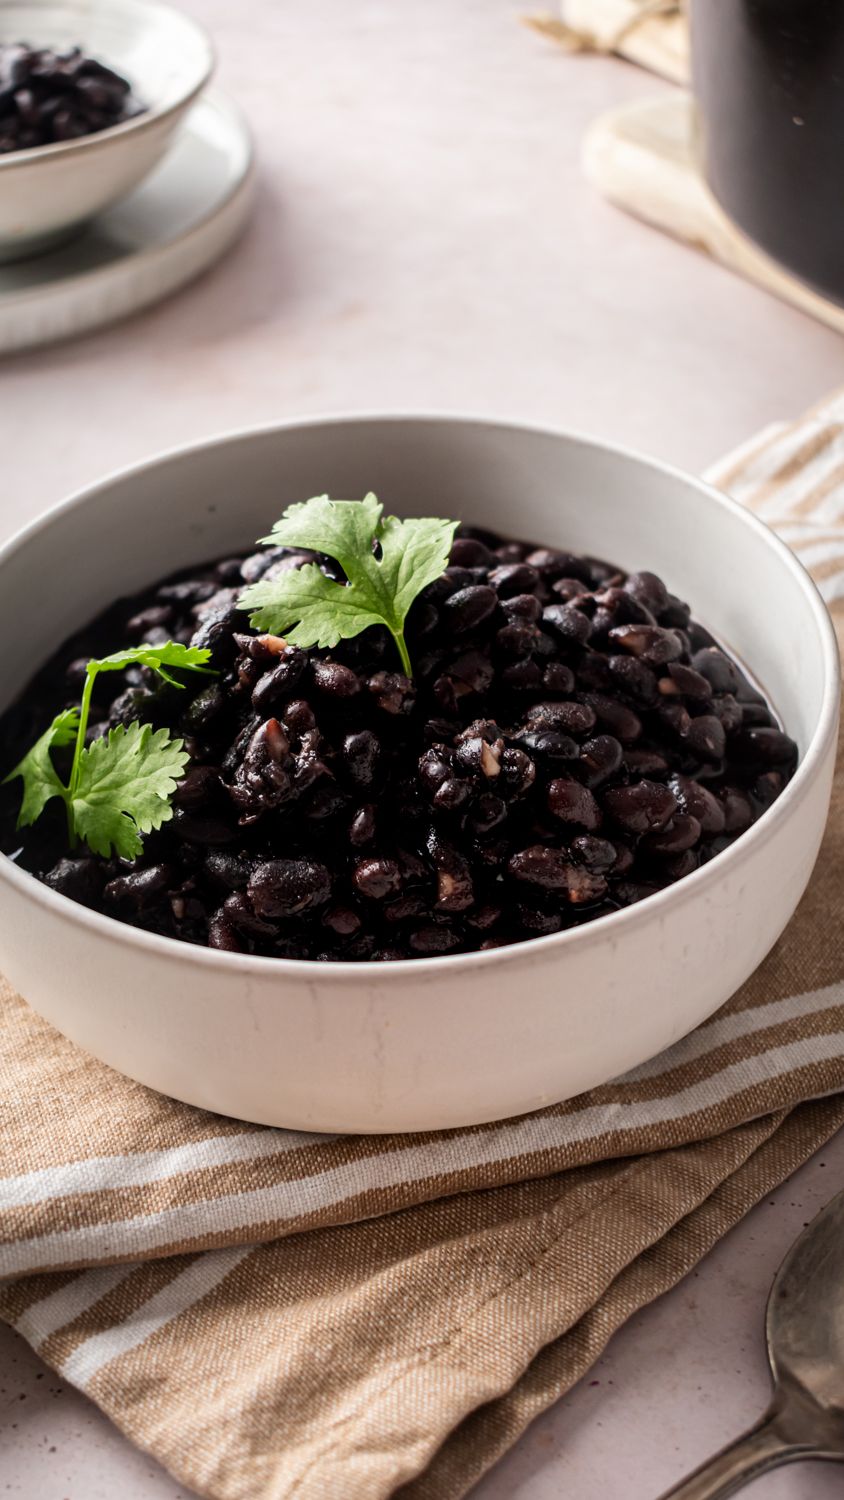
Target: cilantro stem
x,y
398,637
84,714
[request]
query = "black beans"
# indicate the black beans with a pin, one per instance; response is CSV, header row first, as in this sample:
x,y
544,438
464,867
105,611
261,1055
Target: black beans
x,y
376,878
514,578
262,780
643,806
455,891
571,802
600,758
274,686
763,747
571,718
700,802
139,886
550,870
362,756
706,737
47,96
568,623
335,680
570,743
720,672
81,879
649,643
285,887
468,607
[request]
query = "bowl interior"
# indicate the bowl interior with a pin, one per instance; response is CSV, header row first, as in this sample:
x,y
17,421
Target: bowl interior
x,y
135,528
164,54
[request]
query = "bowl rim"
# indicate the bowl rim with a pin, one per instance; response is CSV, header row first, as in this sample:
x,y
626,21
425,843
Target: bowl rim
x,y
138,123
532,950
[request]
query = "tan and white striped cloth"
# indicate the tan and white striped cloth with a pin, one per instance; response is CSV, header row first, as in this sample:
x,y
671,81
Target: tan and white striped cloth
x,y
278,1315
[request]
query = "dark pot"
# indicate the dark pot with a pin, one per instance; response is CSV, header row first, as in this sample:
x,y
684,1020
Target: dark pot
x,y
769,81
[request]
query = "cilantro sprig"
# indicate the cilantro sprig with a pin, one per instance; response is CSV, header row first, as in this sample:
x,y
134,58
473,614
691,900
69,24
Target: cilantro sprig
x,y
120,786
387,563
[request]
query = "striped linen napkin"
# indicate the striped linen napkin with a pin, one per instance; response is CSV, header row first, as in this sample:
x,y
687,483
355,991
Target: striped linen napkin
x,y
278,1315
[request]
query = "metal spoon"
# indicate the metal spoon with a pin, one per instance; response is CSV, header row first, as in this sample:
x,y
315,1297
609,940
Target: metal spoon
x,y
805,1331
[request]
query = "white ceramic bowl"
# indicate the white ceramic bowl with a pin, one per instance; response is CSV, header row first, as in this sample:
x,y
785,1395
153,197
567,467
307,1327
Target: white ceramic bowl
x,y
49,192
445,1041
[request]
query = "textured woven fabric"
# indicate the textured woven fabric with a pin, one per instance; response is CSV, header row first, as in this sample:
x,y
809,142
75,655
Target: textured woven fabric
x,y
274,1314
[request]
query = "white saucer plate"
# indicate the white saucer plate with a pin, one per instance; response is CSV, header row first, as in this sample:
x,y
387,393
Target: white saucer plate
x,y
175,225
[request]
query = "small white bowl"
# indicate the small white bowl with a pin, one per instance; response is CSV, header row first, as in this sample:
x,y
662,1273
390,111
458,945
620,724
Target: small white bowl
x,y
449,1041
47,193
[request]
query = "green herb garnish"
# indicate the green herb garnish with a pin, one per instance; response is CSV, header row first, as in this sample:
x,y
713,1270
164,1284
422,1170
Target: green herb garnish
x,y
121,785
387,563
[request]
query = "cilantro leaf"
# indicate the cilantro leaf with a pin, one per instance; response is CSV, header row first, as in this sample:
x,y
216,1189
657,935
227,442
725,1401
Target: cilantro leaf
x,y
124,786
40,781
387,563
169,654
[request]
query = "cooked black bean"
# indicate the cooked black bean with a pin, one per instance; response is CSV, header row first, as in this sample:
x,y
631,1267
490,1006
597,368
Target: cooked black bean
x,y
731,714
572,802
738,812
568,623
598,855
452,794
638,763
766,788
514,578
203,829
634,677
468,607
549,744
648,589
571,718
343,920
468,552
219,620
706,737
650,643
376,878
557,677
221,934
362,828
138,887
681,834
685,681
200,785
642,806
81,879
285,887
522,607
518,772
551,870
361,754
204,709
335,680
280,681
393,692
617,717
600,758
479,756
763,747
230,871
720,672
570,743
696,799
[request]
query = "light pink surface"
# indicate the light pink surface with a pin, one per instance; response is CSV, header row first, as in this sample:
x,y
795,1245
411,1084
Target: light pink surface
x,y
423,239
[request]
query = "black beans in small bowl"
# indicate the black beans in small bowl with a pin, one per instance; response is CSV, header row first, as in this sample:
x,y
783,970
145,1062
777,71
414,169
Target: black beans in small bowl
x,y
572,742
48,97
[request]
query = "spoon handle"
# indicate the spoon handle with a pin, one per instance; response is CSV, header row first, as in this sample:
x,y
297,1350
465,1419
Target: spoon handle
x,y
764,1447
